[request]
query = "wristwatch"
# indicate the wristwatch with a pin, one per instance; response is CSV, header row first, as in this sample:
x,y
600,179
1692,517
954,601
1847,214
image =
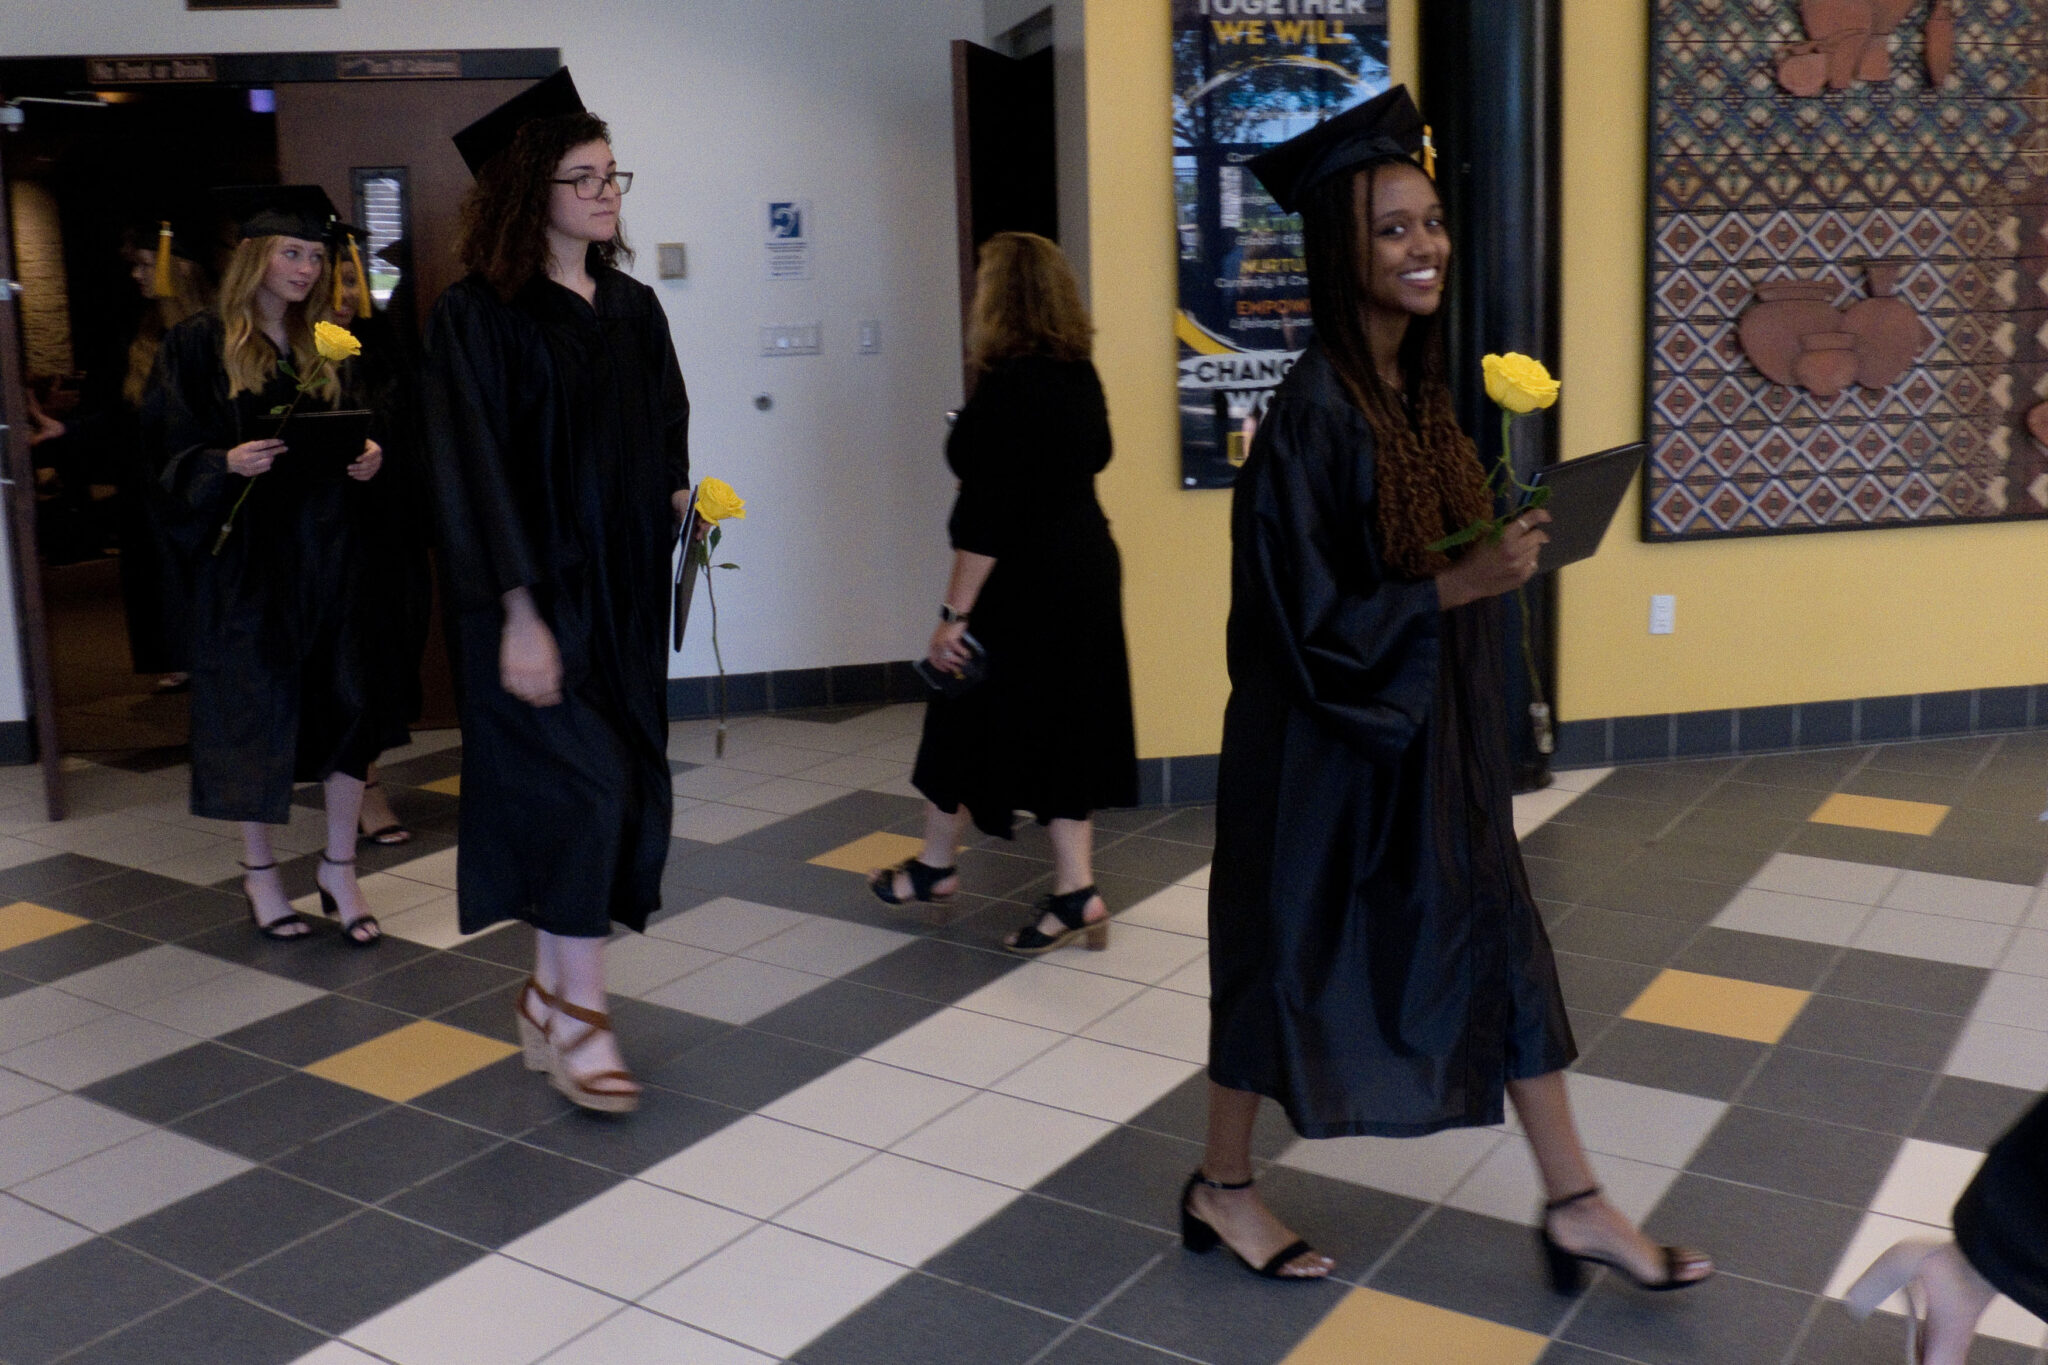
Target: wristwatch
x,y
949,616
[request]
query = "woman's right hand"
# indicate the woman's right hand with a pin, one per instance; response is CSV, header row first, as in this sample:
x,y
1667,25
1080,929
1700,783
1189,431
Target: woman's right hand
x,y
1491,568
253,457
529,664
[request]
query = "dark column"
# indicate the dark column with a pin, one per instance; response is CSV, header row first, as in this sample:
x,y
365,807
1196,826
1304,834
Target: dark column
x,y
1492,92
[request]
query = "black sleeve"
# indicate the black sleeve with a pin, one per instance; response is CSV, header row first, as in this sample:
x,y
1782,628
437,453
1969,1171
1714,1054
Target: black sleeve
x,y
675,398
195,424
986,453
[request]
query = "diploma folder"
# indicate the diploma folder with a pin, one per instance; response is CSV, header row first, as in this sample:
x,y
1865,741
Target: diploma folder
x,y
318,445
686,578
1584,495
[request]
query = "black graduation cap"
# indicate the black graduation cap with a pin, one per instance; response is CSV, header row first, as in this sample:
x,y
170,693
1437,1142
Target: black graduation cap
x,y
302,211
1386,127
493,133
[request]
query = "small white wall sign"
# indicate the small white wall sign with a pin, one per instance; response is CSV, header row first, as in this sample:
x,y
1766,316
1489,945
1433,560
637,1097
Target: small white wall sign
x,y
788,224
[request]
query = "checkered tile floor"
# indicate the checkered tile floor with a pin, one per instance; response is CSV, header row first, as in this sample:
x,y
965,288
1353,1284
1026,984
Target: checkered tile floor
x,y
1809,990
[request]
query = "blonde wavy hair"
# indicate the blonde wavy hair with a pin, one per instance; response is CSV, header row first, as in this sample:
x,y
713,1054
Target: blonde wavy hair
x,y
250,361
1027,302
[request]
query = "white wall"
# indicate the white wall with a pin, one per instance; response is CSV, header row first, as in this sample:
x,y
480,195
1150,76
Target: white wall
x,y
718,105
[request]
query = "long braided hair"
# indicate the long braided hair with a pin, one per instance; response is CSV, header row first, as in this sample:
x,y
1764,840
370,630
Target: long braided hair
x,y
1429,482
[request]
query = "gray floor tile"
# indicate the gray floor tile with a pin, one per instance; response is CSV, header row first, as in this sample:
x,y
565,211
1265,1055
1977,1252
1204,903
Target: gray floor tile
x,y
1670,784
184,1082
506,1192
1475,1265
489,1014
664,1124
193,911
1756,1234
1728,864
51,876
1764,958
1183,1112
1799,1156
1763,798
1561,880
1911,982
846,1017
1208,1308
1129,1174
653,1034
1703,1064
1616,814
1986,862
105,897
2023,827
435,983
1601,984
1850,845
1972,1114
931,970
1735,829
1149,859
1820,771
1582,844
210,1328
74,950
321,1028
1049,1255
1726,1321
323,958
1352,1224
1561,1353
1836,1339
1189,825
504,1098
385,1153
511,946
744,1069
1088,1347
1643,891
1614,934
1894,785
1936,757
216,1232
354,1271
1843,1090
1875,1033
60,1304
272,1119
924,1321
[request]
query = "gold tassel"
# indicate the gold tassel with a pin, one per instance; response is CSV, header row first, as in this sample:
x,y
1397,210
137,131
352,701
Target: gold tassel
x,y
164,284
364,304
338,294
1428,152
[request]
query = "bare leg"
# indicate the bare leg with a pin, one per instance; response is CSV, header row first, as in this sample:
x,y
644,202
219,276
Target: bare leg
x,y
941,848
265,885
580,964
1246,1225
1590,1225
1956,1298
337,872
377,813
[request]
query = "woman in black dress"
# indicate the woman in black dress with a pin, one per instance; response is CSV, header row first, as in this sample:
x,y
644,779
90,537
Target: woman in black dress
x,y
280,686
1377,962
558,432
1049,730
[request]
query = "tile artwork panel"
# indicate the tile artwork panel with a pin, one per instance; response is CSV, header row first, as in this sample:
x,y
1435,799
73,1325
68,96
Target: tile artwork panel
x,y
1751,184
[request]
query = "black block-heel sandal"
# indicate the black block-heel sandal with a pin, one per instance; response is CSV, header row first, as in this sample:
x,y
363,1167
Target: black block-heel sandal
x,y
1199,1237
284,930
361,932
1568,1268
923,877
1071,910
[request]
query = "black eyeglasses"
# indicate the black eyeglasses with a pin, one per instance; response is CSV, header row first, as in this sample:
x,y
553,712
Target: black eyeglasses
x,y
591,186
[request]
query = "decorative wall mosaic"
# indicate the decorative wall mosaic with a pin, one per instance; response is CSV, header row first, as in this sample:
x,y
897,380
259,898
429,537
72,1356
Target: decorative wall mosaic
x,y
1938,192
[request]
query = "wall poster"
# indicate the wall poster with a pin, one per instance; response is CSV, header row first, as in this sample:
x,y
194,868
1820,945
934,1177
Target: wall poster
x,y
1848,265
1249,74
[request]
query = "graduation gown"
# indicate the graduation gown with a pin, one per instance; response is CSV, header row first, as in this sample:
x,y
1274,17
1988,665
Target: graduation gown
x,y
1377,962
558,432
280,686
2001,1221
398,523
1050,731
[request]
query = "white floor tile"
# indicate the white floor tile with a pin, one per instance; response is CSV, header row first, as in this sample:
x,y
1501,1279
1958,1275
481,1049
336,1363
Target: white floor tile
x,y
1047,996
903,1211
2001,1054
774,1289
242,997
1106,1082
638,1337
1167,1022
337,1353
92,1052
435,869
495,1312
629,1239
435,924
2027,954
1937,938
29,1234
1932,893
726,925
216,862
1812,918
1176,910
1579,779
56,1133
786,796
736,990
898,749
128,840
770,760
1925,1181
41,1012
1426,1168
390,895
716,783
142,977
2015,999
19,1092
959,1045
858,771
1828,878
757,1166
1010,1141
1534,809
827,947
1199,878
867,1102
823,736
132,1180
1660,1127
1192,979
636,964
1505,1185
1135,953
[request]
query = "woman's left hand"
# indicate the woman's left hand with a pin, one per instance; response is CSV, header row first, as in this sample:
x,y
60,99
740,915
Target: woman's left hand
x,y
946,651
368,463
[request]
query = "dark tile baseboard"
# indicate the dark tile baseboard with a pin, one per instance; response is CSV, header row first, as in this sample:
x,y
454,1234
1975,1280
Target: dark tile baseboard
x,y
17,741
1176,781
796,689
1803,725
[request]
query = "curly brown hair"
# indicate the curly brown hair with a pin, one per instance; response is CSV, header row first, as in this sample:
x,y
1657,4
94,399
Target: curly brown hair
x,y
1027,302
1430,482
505,214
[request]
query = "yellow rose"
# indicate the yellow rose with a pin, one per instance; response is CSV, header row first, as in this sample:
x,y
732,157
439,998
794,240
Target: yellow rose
x,y
335,344
1518,382
716,501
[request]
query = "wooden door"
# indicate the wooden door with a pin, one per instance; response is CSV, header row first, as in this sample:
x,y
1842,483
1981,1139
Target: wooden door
x,y
1005,167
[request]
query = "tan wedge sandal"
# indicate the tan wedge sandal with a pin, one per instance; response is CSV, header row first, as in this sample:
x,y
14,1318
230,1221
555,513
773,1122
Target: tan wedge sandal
x,y
581,1088
533,1031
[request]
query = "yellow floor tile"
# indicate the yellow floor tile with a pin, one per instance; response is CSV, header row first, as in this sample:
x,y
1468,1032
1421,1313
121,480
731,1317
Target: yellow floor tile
x,y
408,1062
870,851
1880,812
1718,1004
1368,1326
23,922
447,786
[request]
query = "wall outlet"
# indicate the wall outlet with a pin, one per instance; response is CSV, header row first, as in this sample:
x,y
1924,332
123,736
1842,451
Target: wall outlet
x,y
672,262
870,338
803,339
1663,613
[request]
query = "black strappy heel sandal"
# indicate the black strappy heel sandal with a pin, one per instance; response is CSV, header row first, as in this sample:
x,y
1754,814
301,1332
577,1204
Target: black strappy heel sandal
x,y
1199,1237
1568,1268
361,932
385,836
923,877
1070,910
285,929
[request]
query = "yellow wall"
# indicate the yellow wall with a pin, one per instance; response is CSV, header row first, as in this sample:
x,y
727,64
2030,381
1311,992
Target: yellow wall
x,y
1760,622
1176,544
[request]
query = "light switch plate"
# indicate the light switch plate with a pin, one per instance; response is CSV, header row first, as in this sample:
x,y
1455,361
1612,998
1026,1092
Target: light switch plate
x,y
671,261
1663,614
